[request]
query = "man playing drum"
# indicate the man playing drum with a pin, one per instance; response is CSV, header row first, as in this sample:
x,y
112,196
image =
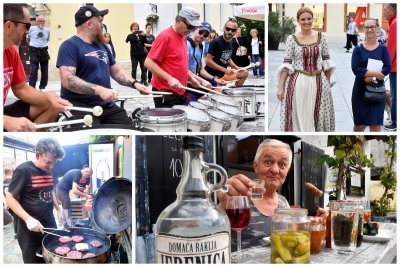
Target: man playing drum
x,y
219,56
168,60
86,64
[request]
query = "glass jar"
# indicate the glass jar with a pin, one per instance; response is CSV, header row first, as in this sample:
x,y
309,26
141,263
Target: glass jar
x,y
290,238
318,232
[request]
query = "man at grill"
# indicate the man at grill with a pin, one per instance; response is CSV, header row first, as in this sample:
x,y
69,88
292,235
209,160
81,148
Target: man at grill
x,y
30,196
75,180
85,66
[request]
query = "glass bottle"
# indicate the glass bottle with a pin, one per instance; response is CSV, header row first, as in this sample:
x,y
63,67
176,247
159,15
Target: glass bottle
x,y
317,233
290,238
194,229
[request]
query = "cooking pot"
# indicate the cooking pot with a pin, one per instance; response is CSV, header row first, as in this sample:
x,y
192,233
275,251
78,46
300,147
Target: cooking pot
x,y
102,254
112,206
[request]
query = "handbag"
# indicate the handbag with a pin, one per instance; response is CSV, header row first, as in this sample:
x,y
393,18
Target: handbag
x,y
375,92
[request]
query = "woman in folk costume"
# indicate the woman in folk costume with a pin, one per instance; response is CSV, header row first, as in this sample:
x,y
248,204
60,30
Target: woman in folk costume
x,y
303,80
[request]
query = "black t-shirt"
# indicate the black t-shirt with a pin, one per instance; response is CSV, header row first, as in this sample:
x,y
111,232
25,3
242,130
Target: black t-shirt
x,y
70,177
137,41
222,52
33,188
149,40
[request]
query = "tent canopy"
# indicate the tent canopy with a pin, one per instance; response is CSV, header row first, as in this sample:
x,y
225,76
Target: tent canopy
x,y
250,11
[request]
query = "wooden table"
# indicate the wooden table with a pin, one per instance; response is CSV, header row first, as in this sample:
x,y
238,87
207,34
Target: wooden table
x,y
368,252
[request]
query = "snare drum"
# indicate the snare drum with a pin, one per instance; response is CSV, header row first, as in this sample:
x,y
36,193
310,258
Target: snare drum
x,y
235,114
246,99
220,121
197,105
162,119
206,103
198,121
223,100
260,101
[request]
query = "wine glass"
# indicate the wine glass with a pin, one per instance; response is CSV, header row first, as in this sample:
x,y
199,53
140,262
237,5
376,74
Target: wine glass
x,y
238,211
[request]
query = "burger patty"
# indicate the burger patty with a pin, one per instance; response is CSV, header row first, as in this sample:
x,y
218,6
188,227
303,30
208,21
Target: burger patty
x,y
77,238
62,250
65,239
96,243
74,255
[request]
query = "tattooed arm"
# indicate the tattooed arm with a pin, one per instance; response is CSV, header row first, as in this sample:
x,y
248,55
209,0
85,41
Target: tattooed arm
x,y
119,75
70,81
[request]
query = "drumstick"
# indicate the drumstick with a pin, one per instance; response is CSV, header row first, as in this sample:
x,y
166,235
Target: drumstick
x,y
137,96
252,65
161,93
87,120
194,90
97,110
208,89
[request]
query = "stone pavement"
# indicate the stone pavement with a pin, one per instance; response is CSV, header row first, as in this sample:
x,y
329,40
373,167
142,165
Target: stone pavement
x,y
342,82
256,125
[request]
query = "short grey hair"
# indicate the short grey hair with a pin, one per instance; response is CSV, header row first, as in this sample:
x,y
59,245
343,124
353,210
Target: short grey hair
x,y
254,30
50,145
273,143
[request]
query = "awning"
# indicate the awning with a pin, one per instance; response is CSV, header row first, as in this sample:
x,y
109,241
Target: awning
x,y
250,11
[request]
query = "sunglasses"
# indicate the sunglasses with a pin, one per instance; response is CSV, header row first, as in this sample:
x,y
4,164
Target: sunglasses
x,y
27,24
370,28
230,29
188,25
204,33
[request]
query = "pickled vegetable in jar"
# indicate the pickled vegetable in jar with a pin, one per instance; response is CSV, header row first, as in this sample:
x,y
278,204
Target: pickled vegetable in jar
x,y
317,234
290,238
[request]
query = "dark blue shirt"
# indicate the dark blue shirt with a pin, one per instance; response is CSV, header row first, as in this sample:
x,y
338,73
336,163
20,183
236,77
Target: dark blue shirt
x,y
92,63
70,177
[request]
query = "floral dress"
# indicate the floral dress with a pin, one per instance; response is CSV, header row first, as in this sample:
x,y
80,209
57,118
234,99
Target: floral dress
x,y
307,104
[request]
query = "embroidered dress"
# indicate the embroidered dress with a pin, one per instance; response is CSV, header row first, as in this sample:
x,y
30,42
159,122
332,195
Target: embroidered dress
x,y
307,104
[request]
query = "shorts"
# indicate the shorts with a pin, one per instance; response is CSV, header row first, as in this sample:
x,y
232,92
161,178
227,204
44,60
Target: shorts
x,y
18,109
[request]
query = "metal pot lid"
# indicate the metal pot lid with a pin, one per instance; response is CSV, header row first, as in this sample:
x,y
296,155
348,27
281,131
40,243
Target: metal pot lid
x,y
112,206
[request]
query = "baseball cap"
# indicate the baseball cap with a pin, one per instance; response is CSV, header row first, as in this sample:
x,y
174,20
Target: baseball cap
x,y
87,12
205,26
191,15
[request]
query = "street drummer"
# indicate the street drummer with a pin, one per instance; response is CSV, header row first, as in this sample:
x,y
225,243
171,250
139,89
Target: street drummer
x,y
86,64
219,56
195,54
168,60
32,105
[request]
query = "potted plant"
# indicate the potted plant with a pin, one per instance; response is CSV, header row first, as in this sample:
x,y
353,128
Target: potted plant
x,y
388,177
348,154
152,19
277,31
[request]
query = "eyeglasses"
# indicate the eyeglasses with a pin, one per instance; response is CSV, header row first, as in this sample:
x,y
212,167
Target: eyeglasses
x,y
27,24
370,28
204,33
230,29
188,25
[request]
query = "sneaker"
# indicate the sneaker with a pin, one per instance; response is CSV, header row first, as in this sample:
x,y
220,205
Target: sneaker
x,y
347,51
262,77
390,127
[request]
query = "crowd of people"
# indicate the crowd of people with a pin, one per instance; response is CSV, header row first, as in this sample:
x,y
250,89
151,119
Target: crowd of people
x,y
306,71
188,54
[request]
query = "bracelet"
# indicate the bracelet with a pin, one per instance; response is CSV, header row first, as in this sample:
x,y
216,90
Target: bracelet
x,y
133,83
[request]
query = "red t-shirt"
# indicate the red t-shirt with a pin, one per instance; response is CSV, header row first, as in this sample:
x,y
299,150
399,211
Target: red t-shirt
x,y
13,71
392,43
169,50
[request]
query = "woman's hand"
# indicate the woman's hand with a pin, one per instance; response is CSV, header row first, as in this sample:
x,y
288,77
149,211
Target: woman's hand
x,y
368,79
279,93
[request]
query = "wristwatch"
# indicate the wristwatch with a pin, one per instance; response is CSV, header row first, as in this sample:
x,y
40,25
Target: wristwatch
x,y
133,83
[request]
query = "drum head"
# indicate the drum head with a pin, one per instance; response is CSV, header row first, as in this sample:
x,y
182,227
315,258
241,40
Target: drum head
x,y
206,103
219,115
194,114
161,115
233,111
197,105
221,99
239,92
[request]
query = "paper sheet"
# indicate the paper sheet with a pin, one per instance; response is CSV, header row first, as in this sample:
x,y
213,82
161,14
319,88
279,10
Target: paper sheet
x,y
375,65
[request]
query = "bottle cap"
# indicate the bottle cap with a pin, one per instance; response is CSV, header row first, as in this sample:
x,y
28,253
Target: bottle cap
x,y
191,141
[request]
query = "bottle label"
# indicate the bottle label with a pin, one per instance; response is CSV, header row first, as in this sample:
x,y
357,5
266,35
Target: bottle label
x,y
208,249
